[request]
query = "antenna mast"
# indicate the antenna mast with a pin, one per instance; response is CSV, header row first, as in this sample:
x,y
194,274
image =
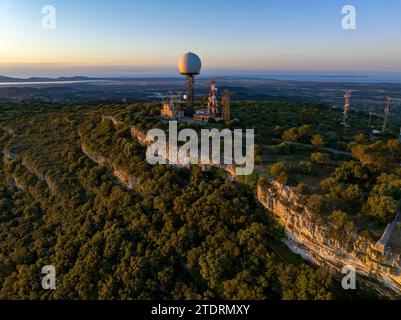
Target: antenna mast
x,y
386,113
347,98
213,103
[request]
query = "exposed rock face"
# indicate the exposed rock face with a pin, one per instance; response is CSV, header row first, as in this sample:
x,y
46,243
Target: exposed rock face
x,y
122,177
391,239
95,157
8,156
312,242
33,170
19,184
128,181
51,184
138,134
112,119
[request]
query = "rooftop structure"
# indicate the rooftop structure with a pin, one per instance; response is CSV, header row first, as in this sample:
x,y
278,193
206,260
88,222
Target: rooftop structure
x,y
171,106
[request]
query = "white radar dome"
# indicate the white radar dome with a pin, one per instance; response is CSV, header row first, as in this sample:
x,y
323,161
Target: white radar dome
x,y
189,63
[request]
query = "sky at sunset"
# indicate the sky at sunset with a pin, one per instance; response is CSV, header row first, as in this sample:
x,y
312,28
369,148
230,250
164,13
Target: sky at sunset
x,y
131,37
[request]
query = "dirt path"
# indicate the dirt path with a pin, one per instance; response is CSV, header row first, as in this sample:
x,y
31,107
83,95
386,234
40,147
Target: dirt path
x,y
331,150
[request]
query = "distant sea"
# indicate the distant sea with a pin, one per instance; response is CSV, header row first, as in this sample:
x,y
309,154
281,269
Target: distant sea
x,y
322,76
274,75
339,78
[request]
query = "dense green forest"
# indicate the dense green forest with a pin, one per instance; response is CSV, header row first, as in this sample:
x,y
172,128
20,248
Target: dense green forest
x,y
180,234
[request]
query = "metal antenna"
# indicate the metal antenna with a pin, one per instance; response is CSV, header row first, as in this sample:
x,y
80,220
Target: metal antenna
x,y
190,90
386,113
347,98
213,103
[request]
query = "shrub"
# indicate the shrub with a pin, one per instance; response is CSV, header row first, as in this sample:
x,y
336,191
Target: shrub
x,y
320,158
280,171
317,140
305,167
291,135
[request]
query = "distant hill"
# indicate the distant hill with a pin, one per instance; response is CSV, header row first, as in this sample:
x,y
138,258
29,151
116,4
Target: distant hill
x,y
6,79
42,79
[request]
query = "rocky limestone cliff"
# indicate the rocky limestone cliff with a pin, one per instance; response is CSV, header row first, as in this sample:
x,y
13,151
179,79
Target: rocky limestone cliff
x,y
95,157
140,135
310,240
123,178
128,181
112,119
9,156
33,170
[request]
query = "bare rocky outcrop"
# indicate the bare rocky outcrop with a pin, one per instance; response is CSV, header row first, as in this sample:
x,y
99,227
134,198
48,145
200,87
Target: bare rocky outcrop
x,y
138,134
123,178
51,183
95,157
113,120
310,240
19,184
33,170
128,181
9,155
